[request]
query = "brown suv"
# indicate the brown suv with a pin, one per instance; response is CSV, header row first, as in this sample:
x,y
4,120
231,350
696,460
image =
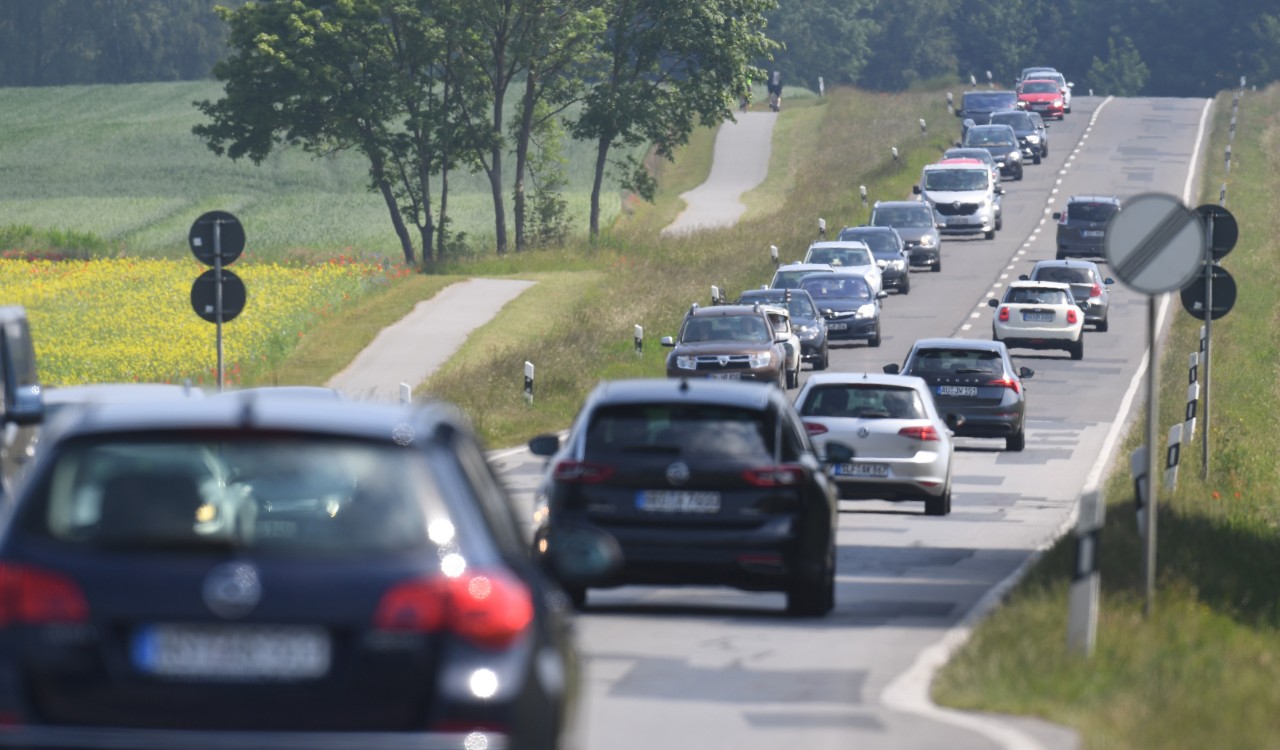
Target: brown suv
x,y
727,342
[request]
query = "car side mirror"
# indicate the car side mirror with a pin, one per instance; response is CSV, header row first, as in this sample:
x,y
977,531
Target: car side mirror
x,y
959,144
1045,126
1025,372
1070,85
668,341
891,369
955,421
999,190
27,407
993,302
1057,216
837,453
828,312
1108,280
915,189
881,294
544,445
1024,277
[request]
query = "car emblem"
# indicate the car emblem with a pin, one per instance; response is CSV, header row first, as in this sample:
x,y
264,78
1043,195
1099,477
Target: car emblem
x,y
956,205
678,473
723,359
863,432
232,590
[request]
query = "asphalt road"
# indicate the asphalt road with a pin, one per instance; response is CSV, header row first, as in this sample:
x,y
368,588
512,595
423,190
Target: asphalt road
x,y
740,162
706,667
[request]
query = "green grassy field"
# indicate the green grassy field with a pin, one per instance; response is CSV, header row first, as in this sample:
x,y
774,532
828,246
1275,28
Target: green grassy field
x,y
120,163
1203,670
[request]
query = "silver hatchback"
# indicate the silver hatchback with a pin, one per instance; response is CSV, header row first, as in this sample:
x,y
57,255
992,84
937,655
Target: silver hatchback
x,y
1089,287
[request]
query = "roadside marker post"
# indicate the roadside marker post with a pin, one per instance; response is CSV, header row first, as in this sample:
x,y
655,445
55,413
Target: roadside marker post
x,y
528,383
406,394
773,254
1171,456
638,336
1086,581
1193,399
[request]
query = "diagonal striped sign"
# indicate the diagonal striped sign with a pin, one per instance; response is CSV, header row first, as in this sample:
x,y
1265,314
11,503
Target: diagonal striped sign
x,y
1154,244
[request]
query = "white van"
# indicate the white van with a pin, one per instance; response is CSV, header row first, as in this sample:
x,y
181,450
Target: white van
x,y
964,196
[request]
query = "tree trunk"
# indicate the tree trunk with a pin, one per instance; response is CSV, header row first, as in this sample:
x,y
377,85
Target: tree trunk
x,y
406,243
522,154
495,175
602,155
444,210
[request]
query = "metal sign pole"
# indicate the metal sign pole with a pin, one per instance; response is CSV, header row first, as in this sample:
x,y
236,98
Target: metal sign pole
x,y
1153,477
1208,338
217,292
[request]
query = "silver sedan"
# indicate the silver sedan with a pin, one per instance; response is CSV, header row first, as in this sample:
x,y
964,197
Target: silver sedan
x,y
902,447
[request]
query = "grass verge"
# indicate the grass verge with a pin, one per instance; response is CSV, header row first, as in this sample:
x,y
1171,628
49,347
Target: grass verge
x,y
1202,671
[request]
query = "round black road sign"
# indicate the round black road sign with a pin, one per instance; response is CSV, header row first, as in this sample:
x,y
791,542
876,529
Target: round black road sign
x,y
204,296
229,239
1224,294
1225,229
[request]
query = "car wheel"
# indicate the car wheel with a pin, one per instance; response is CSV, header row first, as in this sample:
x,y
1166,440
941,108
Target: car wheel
x,y
793,378
1000,222
991,235
1018,176
813,597
938,265
821,362
1101,326
875,340
1035,159
906,286
1016,441
938,506
1045,152
577,596
1077,348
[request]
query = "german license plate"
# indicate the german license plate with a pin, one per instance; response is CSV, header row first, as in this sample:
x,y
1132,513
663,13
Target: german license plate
x,y
862,470
678,501
224,652
957,390
959,221
1038,317
837,326
1092,233
725,376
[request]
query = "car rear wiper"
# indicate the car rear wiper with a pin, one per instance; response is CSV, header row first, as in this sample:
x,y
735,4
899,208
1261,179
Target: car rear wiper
x,y
972,371
662,449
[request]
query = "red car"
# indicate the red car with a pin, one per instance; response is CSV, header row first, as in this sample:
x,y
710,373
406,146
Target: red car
x,y
1039,95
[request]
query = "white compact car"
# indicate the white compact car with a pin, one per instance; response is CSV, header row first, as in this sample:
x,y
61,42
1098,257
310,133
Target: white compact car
x,y
902,447
1039,315
783,332
848,256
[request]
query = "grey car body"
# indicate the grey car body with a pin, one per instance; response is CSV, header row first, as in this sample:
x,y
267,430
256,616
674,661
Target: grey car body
x,y
918,227
1082,225
1002,143
1033,138
890,252
1089,287
975,379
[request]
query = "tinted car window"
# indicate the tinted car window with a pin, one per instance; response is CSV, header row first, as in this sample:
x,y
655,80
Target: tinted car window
x,y
1093,212
990,137
798,305
867,401
1037,296
840,256
956,179
835,286
726,328
1064,275
688,430
1040,87
791,279
914,218
287,495
882,243
957,360
1016,120
991,101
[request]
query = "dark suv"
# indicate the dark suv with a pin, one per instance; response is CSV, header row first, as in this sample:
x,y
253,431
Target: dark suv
x,y
1033,138
727,342
698,482
918,227
978,105
890,253
1001,142
1082,225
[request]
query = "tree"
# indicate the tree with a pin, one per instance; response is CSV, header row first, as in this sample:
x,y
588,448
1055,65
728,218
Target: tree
x,y
1122,74
992,35
670,65
826,38
377,77
911,43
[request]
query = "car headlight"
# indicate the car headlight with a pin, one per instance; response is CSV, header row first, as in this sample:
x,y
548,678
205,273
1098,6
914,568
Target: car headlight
x,y
881,264
898,265
1015,156
687,363
1033,139
866,311
762,359
928,240
806,333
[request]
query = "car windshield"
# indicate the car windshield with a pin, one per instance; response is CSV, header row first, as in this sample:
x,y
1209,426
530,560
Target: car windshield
x,y
956,179
1039,87
955,361
989,101
686,430
865,401
291,495
910,218
1063,275
981,154
989,137
752,328
837,286
791,279
840,256
1037,296
1094,213
1015,120
881,242
797,304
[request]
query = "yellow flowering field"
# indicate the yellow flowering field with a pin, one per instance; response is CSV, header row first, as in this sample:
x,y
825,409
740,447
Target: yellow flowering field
x,y
125,319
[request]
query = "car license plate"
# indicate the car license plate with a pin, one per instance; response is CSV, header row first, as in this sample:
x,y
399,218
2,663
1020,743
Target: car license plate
x,y
862,470
1092,233
219,652
959,221
957,390
837,326
678,501
725,376
1038,317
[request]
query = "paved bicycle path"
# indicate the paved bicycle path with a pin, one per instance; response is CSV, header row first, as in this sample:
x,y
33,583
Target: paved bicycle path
x,y
740,162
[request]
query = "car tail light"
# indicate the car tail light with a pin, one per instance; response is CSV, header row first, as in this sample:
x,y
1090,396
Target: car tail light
x,y
1096,291
487,609
30,596
582,472
815,428
924,432
1004,314
1007,382
1062,218
1071,316
775,476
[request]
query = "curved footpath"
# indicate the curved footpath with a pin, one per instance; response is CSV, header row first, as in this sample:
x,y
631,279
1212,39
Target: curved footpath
x,y
740,162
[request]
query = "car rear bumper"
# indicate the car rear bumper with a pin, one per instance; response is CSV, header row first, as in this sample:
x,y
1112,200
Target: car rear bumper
x,y
1082,249
1030,338
105,738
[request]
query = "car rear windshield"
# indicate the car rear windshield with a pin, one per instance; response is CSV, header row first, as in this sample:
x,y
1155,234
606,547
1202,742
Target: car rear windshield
x,y
955,361
1037,296
987,102
1064,275
910,218
752,328
704,431
948,180
837,286
840,256
1095,213
866,401
1039,87
293,495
